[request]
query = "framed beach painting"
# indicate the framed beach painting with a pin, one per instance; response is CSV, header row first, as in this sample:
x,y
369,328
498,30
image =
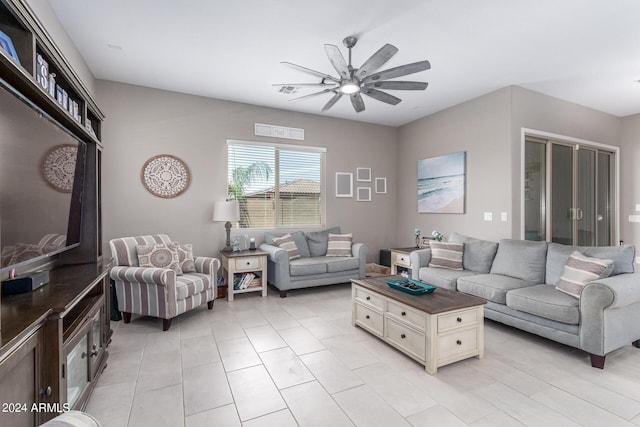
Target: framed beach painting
x,y
441,184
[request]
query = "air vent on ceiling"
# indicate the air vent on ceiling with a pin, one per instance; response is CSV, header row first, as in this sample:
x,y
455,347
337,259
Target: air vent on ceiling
x,y
288,90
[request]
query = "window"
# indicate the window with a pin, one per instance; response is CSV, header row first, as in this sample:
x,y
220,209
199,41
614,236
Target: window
x,y
276,185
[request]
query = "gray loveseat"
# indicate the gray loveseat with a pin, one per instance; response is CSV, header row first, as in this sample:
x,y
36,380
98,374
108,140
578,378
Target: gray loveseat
x,y
314,267
518,277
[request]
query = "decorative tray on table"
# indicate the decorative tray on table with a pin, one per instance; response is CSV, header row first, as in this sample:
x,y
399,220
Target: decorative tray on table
x,y
410,286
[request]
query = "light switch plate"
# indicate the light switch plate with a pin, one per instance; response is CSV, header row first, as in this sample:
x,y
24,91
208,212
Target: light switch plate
x,y
503,216
638,208
634,218
488,216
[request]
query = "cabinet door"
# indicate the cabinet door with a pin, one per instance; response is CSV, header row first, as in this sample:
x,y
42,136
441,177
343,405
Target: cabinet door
x,y
76,370
96,345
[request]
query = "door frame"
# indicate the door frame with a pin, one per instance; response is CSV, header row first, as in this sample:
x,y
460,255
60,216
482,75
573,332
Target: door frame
x,y
525,132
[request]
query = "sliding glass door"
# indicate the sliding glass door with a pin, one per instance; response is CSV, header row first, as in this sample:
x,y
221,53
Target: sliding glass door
x,y
575,206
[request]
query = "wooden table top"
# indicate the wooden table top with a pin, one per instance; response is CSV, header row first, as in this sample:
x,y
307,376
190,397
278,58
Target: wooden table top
x,y
440,301
244,253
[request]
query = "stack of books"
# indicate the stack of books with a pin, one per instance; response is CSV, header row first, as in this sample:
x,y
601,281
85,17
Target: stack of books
x,y
246,280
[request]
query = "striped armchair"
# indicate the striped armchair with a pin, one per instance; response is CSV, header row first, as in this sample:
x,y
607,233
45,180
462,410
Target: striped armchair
x,y
159,292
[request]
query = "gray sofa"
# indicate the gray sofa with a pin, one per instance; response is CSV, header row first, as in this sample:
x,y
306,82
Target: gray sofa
x,y
313,268
518,277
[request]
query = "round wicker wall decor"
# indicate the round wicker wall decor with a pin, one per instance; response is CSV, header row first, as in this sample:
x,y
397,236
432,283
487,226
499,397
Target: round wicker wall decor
x,y
59,167
165,176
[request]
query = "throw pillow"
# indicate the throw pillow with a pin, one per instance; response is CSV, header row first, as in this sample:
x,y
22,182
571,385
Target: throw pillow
x,y
339,244
159,255
287,243
318,240
446,255
580,270
185,257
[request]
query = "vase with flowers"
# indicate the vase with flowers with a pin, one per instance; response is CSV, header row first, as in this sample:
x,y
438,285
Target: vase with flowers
x,y
437,235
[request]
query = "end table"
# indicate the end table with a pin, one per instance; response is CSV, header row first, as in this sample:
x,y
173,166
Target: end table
x,y
236,266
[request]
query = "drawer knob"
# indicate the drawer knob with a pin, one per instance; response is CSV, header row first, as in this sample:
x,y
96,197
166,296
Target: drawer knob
x,y
367,316
368,298
459,342
403,336
404,313
459,320
248,263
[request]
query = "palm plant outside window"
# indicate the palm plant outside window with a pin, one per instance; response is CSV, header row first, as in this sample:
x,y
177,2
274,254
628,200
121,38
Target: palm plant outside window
x,y
276,185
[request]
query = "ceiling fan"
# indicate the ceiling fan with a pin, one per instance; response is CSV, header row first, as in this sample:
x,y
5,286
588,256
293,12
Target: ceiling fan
x,y
354,82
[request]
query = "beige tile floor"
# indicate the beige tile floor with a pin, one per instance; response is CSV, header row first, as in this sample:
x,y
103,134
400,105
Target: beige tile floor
x,y
298,361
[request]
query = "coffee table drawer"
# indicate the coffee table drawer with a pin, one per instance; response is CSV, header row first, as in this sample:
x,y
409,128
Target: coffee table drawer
x,y
407,314
408,339
458,319
368,318
369,297
457,343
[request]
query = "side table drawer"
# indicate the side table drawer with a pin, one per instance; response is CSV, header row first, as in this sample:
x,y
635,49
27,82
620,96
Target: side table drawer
x,y
369,319
457,343
459,319
406,338
401,259
407,314
248,263
369,297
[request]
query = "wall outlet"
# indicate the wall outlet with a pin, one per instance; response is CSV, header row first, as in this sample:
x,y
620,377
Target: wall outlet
x,y
488,216
634,218
638,208
503,216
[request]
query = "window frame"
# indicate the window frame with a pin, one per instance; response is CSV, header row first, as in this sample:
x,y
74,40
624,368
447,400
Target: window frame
x,y
286,147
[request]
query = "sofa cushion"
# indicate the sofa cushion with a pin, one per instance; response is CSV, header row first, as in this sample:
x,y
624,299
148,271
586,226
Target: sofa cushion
x,y
298,237
342,263
492,287
522,259
580,270
318,240
339,245
307,266
478,254
545,301
191,284
446,255
623,258
442,277
159,255
287,243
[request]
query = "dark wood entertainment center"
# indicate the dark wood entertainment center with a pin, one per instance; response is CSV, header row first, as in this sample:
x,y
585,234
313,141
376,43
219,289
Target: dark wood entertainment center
x,y
53,341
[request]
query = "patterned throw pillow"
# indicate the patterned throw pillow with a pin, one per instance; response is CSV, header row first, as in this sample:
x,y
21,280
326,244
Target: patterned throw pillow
x,y
287,243
185,257
160,255
580,270
446,255
339,244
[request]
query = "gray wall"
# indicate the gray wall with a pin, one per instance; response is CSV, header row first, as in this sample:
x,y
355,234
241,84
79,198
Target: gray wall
x,y
630,179
144,122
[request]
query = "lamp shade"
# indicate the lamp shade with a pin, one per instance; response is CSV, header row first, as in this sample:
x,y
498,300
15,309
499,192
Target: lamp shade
x,y
226,211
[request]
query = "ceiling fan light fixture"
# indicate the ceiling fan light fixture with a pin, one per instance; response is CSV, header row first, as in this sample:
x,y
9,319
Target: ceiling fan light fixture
x,y
350,87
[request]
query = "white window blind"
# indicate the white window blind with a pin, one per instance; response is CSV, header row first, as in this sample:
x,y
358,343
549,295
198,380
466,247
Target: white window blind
x,y
277,185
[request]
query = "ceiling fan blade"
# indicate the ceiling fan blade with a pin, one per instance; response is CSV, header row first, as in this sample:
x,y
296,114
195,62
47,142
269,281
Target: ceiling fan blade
x,y
357,102
321,84
311,95
332,101
377,60
381,96
312,72
396,85
337,60
402,70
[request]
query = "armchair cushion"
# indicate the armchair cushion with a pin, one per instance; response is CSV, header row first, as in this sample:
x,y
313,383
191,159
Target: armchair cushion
x,y
159,255
185,257
191,284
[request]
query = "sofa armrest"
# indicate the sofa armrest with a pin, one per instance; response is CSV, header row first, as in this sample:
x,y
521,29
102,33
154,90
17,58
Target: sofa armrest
x,y
150,276
207,265
612,292
276,254
419,259
360,250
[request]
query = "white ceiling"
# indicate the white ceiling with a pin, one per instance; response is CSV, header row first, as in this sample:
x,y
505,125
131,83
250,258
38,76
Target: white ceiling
x,y
583,51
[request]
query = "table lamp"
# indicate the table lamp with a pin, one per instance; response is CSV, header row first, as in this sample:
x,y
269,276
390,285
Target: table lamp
x,y
226,211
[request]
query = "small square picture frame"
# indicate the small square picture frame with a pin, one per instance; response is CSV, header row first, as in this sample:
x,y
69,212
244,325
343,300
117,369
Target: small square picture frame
x,y
363,194
344,184
363,174
381,185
